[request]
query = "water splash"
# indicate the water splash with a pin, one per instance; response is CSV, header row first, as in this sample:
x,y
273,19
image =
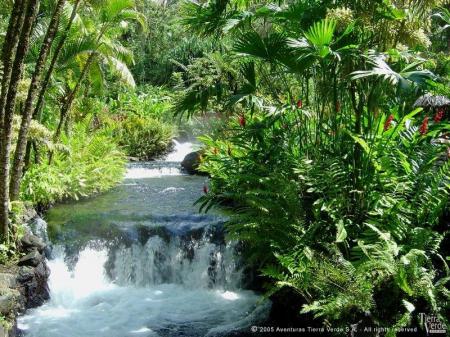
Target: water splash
x,y
169,167
140,261
193,263
181,150
85,303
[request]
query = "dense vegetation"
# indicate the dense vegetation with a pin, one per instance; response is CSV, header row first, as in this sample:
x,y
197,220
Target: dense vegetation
x,y
69,107
338,181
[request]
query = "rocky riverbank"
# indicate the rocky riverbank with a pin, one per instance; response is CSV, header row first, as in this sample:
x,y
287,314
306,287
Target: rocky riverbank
x,y
23,284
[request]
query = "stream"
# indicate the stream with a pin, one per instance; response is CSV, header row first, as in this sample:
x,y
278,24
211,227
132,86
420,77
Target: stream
x,y
140,260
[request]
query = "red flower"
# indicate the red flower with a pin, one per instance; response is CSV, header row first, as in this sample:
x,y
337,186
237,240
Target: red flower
x,y
299,104
242,121
388,122
338,106
424,127
439,115
205,189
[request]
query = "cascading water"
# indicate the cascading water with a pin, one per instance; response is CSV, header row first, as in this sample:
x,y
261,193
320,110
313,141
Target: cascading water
x,y
140,261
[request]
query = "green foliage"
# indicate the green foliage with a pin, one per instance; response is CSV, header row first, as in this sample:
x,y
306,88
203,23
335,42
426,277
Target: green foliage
x,y
91,165
141,122
159,50
144,137
343,243
146,101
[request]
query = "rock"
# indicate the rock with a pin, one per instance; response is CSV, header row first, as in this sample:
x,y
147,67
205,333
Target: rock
x,y
7,280
3,331
29,214
39,228
9,301
25,273
31,259
33,285
31,242
191,162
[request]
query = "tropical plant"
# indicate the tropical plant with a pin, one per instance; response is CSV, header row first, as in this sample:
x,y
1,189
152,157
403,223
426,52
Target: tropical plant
x,y
90,164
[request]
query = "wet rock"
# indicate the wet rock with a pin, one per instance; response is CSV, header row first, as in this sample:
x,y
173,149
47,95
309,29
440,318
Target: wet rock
x,y
25,273
38,228
33,284
34,258
191,162
31,242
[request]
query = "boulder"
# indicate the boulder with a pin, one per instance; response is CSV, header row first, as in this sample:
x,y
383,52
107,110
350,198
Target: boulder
x,y
7,280
3,331
34,258
191,162
9,301
31,242
33,285
25,274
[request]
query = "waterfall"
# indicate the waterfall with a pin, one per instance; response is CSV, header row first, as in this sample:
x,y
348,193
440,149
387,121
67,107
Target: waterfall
x,y
192,263
140,261
169,167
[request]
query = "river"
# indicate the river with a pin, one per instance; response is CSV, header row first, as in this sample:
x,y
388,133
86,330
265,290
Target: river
x,y
140,260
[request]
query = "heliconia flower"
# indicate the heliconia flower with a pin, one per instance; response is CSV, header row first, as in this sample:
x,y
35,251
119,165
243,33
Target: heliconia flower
x,y
242,121
388,122
338,106
424,127
439,115
205,189
299,104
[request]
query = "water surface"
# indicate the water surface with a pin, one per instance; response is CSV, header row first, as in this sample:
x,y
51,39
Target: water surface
x,y
141,261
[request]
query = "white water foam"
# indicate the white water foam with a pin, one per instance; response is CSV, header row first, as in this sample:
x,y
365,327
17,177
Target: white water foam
x,y
146,172
181,150
158,171
192,263
85,304
186,285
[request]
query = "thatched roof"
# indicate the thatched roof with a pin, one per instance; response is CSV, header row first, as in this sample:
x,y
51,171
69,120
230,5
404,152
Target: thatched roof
x,y
430,101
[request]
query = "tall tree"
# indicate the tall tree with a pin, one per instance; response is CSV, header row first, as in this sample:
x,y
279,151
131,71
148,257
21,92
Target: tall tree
x,y
9,50
110,15
27,113
54,60
29,19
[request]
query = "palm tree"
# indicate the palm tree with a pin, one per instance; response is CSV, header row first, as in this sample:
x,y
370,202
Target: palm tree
x,y
19,33
103,50
27,113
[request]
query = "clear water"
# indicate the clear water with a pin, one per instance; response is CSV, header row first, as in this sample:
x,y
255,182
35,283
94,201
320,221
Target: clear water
x,y
140,261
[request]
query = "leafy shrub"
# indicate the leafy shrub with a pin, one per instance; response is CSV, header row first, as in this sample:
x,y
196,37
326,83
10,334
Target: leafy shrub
x,y
144,137
91,164
147,101
359,248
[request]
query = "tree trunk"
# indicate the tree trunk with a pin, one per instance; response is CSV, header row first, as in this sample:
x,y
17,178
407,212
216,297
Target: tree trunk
x,y
69,101
8,52
27,113
10,104
56,53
